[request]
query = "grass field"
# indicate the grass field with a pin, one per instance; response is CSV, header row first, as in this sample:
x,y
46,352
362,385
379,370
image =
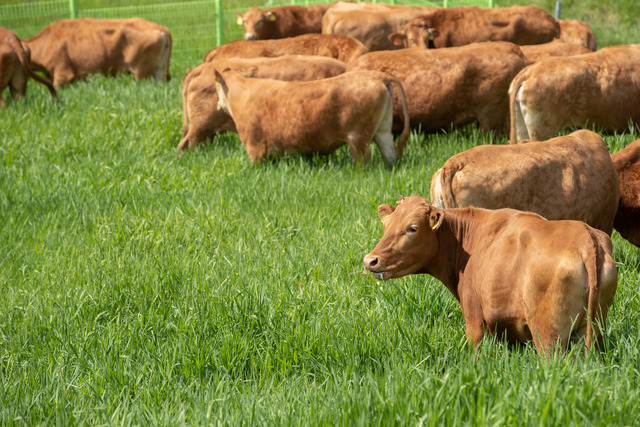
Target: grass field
x,y
142,288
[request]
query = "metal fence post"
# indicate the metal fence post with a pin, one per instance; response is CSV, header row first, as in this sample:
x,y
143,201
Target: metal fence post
x,y
558,9
219,23
73,9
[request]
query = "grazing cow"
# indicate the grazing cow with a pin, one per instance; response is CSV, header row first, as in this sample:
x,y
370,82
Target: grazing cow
x,y
627,220
537,52
578,32
569,177
597,89
370,23
70,49
515,274
275,117
202,116
458,26
452,87
282,21
15,66
335,46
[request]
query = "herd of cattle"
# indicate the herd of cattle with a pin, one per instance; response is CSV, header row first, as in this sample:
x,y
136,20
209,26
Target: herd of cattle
x,y
311,79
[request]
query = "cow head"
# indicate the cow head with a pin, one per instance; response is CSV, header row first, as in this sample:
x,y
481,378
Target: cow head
x,y
255,23
409,242
416,33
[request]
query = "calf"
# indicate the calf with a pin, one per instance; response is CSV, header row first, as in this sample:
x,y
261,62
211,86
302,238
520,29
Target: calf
x,y
275,117
538,52
15,66
70,49
452,87
569,177
599,89
370,23
627,220
282,21
514,273
202,116
335,46
457,26
577,32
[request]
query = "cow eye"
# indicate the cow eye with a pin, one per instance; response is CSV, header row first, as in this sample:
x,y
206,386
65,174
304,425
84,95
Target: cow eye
x,y
412,229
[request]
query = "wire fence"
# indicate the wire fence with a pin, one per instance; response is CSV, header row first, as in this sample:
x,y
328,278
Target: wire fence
x,y
196,26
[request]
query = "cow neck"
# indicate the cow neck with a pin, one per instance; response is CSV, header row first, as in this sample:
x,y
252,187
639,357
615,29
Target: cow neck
x,y
455,240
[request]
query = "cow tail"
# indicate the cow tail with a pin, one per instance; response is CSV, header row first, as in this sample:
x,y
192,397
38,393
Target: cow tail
x,y
594,271
404,136
446,180
514,108
24,56
168,47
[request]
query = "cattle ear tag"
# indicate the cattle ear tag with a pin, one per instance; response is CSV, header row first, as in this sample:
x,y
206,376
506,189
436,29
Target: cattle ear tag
x,y
239,21
437,224
272,17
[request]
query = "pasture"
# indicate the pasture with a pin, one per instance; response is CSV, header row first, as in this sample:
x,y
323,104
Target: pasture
x,y
139,287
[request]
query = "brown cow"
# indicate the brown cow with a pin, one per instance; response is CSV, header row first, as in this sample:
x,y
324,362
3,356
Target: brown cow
x,y
334,46
452,87
15,66
578,32
282,21
70,49
514,273
370,23
538,52
202,116
458,26
275,117
627,220
569,177
597,89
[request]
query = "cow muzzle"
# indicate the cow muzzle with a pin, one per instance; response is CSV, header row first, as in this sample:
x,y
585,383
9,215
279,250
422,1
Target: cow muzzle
x,y
372,263
249,36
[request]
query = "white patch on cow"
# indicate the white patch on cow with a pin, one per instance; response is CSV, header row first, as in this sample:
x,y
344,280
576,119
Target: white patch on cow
x,y
522,114
162,66
437,197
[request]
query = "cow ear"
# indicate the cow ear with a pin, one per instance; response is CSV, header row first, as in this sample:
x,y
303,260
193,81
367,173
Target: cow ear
x,y
433,33
271,16
220,80
250,73
397,38
384,210
240,18
435,218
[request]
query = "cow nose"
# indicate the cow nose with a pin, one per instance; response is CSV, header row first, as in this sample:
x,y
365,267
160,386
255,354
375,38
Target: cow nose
x,y
370,262
249,36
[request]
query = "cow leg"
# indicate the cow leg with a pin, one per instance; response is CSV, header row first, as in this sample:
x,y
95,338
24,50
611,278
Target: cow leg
x,y
359,148
472,312
18,85
385,143
63,75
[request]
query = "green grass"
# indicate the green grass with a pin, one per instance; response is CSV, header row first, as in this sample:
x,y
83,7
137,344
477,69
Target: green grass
x,y
143,288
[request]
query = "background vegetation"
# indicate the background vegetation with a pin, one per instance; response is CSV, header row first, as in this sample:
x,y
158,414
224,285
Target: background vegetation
x,y
142,288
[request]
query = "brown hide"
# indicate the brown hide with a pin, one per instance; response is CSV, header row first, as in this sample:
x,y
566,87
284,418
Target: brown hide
x,y
538,52
275,117
577,32
15,66
203,118
339,47
514,273
627,220
452,87
600,89
70,49
458,26
370,23
569,177
282,21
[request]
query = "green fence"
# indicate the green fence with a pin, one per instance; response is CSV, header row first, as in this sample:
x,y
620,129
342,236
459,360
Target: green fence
x,y
196,25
